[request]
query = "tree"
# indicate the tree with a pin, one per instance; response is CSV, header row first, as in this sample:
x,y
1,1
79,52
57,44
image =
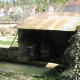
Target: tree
x,y
2,3
7,4
46,3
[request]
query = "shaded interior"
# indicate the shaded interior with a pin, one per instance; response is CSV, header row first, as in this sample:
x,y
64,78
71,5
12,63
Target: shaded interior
x,y
49,44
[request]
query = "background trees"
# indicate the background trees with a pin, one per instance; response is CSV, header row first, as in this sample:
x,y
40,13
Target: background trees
x,y
40,3
28,5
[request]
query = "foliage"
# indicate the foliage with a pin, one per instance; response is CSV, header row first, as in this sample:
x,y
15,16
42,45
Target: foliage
x,y
21,76
40,3
23,4
66,75
46,3
73,56
14,76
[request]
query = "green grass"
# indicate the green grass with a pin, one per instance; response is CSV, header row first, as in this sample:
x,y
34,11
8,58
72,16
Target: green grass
x,y
8,43
21,76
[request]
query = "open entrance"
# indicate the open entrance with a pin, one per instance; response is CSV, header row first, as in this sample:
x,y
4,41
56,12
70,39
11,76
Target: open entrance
x,y
43,45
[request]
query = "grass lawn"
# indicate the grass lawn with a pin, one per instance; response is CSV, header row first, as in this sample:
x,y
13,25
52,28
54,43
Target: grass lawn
x,y
8,43
21,76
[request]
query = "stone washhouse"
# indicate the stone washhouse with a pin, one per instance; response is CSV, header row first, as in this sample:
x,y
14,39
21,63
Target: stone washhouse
x,y
46,36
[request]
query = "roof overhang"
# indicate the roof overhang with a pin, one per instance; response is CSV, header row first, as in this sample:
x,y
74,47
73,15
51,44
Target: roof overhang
x,y
62,21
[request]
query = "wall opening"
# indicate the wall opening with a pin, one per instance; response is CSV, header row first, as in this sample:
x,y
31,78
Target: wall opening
x,y
47,44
